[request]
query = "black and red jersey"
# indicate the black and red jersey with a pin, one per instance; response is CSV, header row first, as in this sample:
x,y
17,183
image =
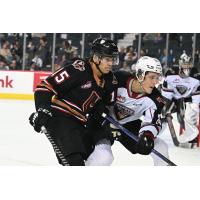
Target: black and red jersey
x,y
75,89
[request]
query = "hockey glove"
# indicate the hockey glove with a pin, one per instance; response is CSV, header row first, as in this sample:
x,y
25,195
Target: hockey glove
x,y
145,143
40,118
95,118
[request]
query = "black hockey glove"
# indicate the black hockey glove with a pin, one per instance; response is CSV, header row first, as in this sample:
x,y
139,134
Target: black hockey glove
x,y
40,118
145,143
95,118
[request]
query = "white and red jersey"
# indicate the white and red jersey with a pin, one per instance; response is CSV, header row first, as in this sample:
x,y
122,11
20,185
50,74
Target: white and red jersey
x,y
130,106
176,87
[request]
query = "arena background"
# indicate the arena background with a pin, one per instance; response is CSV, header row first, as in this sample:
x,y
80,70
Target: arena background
x,y
39,54
45,51
121,182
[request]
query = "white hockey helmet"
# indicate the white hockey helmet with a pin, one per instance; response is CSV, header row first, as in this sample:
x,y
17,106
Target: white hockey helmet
x,y
185,65
147,64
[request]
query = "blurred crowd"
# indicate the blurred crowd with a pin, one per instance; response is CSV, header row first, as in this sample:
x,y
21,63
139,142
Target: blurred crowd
x,y
154,45
38,55
38,52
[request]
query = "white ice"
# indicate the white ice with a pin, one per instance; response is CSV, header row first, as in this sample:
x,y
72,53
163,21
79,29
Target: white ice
x,y
20,145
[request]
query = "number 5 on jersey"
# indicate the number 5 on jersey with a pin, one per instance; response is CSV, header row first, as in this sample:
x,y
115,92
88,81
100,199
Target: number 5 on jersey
x,y
61,77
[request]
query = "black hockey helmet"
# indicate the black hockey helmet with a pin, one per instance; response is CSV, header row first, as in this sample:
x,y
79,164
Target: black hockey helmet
x,y
105,48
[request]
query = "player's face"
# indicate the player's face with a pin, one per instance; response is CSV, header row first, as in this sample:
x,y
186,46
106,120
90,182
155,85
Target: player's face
x,y
150,81
106,64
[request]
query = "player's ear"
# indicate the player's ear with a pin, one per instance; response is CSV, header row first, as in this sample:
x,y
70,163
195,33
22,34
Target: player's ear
x,y
96,59
140,78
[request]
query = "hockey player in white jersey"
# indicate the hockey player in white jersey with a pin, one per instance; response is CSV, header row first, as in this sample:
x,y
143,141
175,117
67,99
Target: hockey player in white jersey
x,y
137,107
183,91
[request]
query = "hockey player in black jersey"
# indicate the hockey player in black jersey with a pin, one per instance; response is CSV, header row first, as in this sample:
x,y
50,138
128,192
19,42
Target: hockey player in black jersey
x,y
66,98
137,107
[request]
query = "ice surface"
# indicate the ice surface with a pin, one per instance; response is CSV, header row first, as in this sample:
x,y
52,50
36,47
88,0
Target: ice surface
x,y
20,145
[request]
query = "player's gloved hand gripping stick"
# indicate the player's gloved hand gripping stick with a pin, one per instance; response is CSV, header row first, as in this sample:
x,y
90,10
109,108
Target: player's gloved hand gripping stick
x,y
131,135
38,120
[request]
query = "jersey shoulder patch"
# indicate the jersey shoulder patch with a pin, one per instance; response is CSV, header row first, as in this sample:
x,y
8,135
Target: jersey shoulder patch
x,y
79,65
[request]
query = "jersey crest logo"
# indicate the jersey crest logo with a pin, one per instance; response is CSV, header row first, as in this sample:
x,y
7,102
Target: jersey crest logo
x,y
87,85
181,89
122,112
79,64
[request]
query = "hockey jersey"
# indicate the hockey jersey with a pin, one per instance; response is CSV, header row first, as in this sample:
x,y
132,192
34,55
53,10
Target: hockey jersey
x,y
130,106
75,89
177,87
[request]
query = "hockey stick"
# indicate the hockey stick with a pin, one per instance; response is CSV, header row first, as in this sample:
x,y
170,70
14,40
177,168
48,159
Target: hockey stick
x,y
172,130
55,147
131,135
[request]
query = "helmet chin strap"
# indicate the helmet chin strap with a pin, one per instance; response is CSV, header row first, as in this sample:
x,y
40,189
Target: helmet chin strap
x,y
141,88
97,65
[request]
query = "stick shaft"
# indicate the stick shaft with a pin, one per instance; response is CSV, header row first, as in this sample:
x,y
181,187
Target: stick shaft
x,y
131,135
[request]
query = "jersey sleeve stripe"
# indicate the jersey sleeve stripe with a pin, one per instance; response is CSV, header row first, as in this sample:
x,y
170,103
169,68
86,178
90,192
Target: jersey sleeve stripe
x,y
48,86
68,108
42,89
71,104
67,112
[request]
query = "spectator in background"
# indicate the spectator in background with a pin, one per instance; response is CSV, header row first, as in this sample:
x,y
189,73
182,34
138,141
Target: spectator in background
x,y
155,37
36,64
67,50
30,53
122,55
63,59
125,67
43,52
142,52
16,51
5,51
14,65
129,59
163,58
56,65
158,38
3,63
149,36
2,37
75,53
